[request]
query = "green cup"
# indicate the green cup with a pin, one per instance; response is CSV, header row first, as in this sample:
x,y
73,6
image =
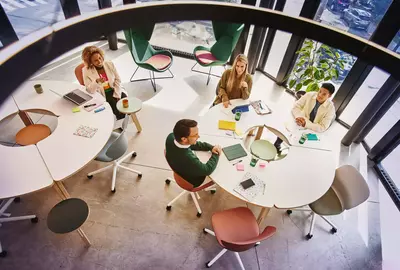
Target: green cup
x,y
238,114
303,138
38,88
253,161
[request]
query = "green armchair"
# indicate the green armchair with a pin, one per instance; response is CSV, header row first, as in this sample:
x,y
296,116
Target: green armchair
x,y
226,35
145,56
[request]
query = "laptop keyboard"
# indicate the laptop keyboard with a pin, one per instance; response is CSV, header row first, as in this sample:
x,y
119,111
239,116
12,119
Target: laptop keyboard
x,y
76,97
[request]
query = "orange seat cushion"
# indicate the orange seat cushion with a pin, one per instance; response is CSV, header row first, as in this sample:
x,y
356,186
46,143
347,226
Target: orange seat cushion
x,y
205,57
32,134
159,61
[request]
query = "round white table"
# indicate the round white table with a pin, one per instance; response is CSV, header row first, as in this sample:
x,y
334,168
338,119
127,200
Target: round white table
x,y
31,168
134,105
300,178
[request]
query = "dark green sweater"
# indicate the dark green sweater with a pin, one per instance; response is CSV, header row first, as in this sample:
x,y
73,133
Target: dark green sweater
x,y
184,162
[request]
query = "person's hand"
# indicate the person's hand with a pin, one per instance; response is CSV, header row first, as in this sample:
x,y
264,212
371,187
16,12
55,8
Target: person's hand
x,y
243,84
100,80
216,150
301,121
226,103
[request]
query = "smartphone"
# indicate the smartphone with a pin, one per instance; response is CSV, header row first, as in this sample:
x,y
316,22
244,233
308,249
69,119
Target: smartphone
x,y
247,183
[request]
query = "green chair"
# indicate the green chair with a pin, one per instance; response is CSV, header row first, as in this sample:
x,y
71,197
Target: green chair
x,y
226,35
145,56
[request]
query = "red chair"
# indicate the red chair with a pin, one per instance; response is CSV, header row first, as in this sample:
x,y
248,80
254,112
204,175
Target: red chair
x,y
188,187
237,230
79,73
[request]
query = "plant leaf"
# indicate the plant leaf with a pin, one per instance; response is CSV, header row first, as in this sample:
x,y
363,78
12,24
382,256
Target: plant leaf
x,y
328,78
291,83
309,87
337,55
324,65
307,82
299,86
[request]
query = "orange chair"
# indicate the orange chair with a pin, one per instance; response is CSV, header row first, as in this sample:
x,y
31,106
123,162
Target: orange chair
x,y
79,73
188,187
236,230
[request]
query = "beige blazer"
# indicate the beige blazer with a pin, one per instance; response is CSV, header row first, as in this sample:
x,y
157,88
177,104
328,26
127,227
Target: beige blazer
x,y
325,114
90,75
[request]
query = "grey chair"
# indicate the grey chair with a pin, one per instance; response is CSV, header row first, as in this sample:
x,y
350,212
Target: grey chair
x,y
348,190
114,151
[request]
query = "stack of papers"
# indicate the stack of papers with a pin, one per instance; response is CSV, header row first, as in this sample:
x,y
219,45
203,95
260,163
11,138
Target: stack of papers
x,y
252,192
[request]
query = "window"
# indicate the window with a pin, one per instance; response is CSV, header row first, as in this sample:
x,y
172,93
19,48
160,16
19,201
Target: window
x,y
391,165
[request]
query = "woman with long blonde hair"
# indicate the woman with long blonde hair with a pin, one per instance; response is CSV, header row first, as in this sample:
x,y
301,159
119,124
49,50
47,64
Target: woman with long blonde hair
x,y
234,83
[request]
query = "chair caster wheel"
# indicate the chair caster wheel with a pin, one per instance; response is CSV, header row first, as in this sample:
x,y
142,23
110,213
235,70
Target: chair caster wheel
x,y
208,266
257,244
89,176
333,230
289,212
309,236
167,181
198,214
168,208
34,220
213,191
140,175
3,254
113,190
204,231
17,200
134,154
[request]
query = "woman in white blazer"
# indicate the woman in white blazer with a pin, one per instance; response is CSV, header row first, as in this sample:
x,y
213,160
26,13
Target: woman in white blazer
x,y
102,76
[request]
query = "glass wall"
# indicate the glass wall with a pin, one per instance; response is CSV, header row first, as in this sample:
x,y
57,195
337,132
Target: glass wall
x,y
391,165
32,15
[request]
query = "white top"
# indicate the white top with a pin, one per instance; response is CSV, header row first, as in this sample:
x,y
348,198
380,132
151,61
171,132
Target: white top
x,y
62,153
22,171
290,182
134,104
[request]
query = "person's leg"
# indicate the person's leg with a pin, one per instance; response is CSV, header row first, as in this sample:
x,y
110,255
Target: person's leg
x,y
278,143
113,103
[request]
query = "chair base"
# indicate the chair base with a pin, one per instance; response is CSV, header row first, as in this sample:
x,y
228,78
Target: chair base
x,y
222,252
3,207
207,73
152,78
115,166
313,216
195,196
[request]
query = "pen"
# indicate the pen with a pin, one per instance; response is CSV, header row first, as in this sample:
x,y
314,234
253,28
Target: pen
x,y
90,105
236,162
264,189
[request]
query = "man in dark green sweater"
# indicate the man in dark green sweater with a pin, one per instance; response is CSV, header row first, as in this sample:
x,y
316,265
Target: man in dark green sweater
x,y
179,148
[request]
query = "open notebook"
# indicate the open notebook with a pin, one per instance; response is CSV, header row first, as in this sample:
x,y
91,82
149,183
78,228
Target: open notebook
x,y
253,191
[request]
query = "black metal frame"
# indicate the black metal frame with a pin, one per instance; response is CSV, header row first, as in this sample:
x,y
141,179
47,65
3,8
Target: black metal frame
x,y
386,144
207,73
152,78
7,32
388,183
70,8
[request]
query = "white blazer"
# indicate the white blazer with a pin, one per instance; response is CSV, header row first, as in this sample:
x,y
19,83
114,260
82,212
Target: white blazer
x,y
90,75
325,113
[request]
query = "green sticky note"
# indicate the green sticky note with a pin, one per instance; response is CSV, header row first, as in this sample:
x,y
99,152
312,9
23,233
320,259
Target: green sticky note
x,y
76,109
312,137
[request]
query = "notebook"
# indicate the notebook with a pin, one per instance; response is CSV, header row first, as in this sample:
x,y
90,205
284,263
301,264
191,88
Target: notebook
x,y
234,151
260,107
251,192
227,125
85,131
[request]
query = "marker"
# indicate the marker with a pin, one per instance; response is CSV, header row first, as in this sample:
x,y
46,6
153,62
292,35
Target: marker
x,y
236,163
90,105
99,109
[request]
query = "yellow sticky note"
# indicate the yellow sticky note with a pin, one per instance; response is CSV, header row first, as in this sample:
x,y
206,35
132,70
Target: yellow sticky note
x,y
238,132
76,109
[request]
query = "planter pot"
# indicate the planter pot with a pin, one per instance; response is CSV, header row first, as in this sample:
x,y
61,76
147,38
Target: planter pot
x,y
299,94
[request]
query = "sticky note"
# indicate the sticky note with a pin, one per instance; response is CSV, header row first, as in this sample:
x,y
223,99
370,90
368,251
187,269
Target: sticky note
x,y
240,166
238,132
262,164
76,109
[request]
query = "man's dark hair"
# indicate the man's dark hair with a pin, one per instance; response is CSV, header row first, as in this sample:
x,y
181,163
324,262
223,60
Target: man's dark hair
x,y
329,87
182,128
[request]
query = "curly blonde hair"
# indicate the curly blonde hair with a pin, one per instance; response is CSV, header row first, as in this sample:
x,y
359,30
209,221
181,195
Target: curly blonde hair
x,y
87,55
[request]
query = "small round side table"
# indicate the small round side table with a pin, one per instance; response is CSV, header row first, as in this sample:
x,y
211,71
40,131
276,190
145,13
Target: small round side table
x,y
135,105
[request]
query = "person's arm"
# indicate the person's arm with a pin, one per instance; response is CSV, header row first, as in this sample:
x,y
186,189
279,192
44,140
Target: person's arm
x,y
297,110
201,146
324,123
222,94
247,90
90,83
200,168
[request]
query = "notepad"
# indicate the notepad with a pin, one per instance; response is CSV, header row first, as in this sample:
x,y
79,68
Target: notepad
x,y
234,151
85,131
251,192
226,125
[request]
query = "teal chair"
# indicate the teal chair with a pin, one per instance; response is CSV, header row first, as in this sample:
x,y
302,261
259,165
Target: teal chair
x,y
226,35
145,56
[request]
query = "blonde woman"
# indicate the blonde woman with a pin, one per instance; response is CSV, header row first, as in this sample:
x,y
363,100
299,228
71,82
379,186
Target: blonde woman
x,y
235,83
101,76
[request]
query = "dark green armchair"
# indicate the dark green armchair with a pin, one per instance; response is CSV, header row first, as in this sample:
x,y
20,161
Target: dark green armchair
x,y
226,36
145,56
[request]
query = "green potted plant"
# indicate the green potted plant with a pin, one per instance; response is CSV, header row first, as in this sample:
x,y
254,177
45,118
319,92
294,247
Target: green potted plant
x,y
317,63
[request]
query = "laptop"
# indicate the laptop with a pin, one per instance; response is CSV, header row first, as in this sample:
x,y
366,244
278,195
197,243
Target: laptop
x,y
78,97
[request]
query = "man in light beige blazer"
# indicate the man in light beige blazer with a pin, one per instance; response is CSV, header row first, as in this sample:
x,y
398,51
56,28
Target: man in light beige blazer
x,y
315,110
